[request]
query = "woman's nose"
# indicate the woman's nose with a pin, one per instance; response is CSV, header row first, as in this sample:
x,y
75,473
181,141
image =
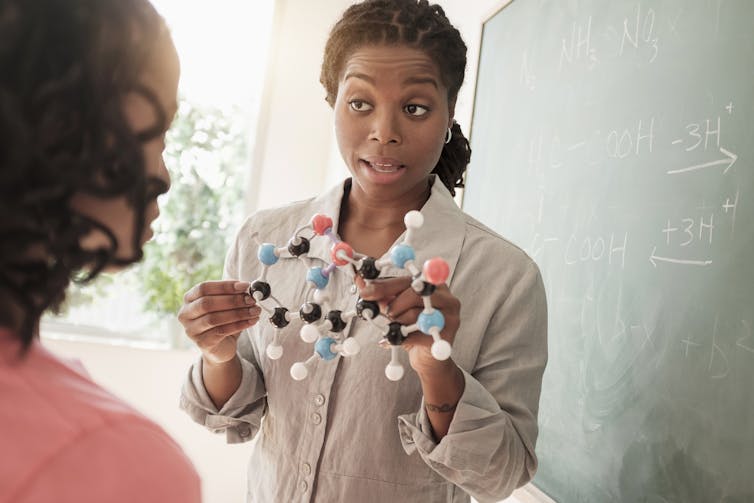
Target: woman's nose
x,y
386,128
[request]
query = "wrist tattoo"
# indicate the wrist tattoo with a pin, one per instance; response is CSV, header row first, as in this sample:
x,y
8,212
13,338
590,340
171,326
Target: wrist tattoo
x,y
446,407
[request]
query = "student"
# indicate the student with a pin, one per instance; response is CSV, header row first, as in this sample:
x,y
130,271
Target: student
x,y
450,429
87,91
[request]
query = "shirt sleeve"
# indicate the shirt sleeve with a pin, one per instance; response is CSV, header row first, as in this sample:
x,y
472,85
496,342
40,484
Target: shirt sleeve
x,y
489,449
241,416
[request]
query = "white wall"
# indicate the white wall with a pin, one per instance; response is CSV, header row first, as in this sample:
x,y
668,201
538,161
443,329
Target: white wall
x,y
294,132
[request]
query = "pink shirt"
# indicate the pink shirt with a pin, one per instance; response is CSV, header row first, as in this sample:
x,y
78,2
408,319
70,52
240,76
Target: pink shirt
x,y
65,439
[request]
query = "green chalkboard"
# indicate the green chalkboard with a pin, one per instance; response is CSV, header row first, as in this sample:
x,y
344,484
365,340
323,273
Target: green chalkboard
x,y
614,142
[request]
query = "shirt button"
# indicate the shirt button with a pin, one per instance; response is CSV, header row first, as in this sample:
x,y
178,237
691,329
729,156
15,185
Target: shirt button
x,y
306,468
353,289
304,486
319,400
244,430
316,418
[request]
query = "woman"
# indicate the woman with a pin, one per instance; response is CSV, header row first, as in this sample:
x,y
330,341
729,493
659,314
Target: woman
x,y
464,426
87,91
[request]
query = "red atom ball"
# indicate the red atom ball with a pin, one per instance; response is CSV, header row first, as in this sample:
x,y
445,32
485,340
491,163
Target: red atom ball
x,y
436,271
321,223
342,245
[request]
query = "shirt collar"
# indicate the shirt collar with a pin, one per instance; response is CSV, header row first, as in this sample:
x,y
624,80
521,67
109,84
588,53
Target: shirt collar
x,y
441,235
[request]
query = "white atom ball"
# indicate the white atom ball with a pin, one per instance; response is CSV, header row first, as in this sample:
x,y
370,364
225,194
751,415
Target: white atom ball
x,y
299,371
441,350
309,333
351,347
413,219
394,372
274,352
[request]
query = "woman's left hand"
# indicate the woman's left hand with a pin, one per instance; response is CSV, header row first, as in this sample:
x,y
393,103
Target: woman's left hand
x,y
399,302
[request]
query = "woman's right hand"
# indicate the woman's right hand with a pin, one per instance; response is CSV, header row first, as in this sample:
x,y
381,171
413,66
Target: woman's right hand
x,y
213,315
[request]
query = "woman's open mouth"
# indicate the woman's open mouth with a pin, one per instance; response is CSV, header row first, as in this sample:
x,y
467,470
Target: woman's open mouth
x,y
383,169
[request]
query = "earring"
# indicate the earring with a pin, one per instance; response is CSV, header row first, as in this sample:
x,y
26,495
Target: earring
x,y
448,136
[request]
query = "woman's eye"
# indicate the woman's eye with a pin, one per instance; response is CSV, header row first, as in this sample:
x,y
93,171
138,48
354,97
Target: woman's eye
x,y
359,105
416,110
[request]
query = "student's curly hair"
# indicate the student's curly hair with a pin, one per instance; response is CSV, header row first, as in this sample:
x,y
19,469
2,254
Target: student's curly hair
x,y
65,67
415,23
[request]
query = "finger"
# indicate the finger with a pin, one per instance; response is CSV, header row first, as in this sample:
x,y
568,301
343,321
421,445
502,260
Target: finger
x,y
212,337
221,287
381,288
360,282
405,300
407,317
220,318
416,339
214,303
445,301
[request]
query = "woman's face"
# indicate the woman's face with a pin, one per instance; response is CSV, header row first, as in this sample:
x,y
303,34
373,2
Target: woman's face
x,y
161,77
391,117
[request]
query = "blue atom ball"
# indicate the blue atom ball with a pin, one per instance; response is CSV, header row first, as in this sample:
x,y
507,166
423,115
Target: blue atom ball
x,y
267,254
400,254
322,347
315,276
428,320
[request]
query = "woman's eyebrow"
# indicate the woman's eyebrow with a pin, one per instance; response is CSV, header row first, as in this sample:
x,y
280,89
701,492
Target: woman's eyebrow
x,y
408,81
421,80
358,75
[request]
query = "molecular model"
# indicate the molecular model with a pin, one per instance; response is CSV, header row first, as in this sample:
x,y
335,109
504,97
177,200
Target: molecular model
x,y
324,326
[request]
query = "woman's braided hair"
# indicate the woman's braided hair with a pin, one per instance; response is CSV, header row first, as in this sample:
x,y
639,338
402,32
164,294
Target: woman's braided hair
x,y
65,67
417,24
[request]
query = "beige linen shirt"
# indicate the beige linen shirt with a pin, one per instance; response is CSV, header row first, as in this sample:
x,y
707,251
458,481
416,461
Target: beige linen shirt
x,y
348,434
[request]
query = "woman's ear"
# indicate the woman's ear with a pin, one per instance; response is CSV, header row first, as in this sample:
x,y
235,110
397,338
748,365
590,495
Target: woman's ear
x,y
451,112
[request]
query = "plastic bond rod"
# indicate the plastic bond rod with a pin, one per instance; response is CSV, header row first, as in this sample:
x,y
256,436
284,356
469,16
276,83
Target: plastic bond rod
x,y
348,316
305,226
435,333
413,221
407,329
265,308
329,233
415,271
348,347
274,349
381,263
428,308
418,285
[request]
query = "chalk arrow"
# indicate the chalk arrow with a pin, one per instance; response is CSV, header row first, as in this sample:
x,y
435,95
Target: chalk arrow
x,y
656,258
730,159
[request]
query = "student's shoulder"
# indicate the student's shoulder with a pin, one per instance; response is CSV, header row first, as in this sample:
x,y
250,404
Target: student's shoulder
x,y
126,458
